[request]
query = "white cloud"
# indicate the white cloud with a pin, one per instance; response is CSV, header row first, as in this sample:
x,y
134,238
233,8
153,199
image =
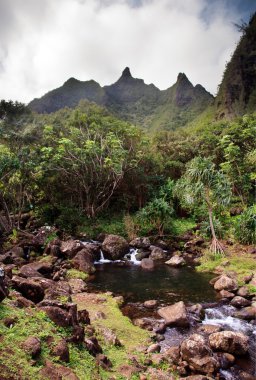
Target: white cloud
x,y
43,43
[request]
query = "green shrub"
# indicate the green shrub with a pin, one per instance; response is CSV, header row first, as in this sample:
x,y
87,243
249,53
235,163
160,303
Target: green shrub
x,y
245,227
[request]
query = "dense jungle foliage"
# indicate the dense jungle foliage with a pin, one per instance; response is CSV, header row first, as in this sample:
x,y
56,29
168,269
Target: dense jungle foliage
x,y
86,171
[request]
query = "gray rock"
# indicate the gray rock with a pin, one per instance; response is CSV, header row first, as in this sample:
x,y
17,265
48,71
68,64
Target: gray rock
x,y
147,264
115,247
175,315
176,261
239,301
225,283
229,341
157,254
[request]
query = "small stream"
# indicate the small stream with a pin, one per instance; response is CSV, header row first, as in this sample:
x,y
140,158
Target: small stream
x,y
169,285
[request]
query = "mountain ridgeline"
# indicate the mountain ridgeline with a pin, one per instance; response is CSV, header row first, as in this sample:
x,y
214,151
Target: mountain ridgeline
x,y
132,100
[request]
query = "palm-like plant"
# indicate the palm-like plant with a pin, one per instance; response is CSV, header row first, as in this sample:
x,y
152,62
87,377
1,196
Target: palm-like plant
x,y
202,183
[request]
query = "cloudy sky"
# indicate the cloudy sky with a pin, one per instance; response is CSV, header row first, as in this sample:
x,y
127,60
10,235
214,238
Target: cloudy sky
x,y
44,42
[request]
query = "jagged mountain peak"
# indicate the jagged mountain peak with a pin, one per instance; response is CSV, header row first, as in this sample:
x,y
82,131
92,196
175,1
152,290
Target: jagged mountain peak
x,y
126,73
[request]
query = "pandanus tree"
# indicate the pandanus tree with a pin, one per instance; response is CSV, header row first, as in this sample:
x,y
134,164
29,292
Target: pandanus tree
x,y
203,184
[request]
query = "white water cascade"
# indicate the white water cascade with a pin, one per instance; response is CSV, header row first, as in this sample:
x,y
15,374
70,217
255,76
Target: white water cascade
x,y
102,260
133,253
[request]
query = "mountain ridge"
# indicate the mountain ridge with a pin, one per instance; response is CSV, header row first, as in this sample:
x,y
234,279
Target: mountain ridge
x,y
131,99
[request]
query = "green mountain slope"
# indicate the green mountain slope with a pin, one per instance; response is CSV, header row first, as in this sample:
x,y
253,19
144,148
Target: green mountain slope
x,y
132,100
237,92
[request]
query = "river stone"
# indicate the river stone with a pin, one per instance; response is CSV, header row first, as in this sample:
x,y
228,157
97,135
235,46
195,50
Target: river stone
x,y
70,247
208,329
115,247
140,242
83,261
229,341
226,294
150,304
157,254
226,283
247,313
198,354
243,291
175,315
155,347
176,261
147,264
239,301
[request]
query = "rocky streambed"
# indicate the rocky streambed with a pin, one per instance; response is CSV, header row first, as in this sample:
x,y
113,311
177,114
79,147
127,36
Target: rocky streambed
x,y
200,326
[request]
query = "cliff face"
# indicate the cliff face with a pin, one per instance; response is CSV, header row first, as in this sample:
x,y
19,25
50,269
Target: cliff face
x,y
237,92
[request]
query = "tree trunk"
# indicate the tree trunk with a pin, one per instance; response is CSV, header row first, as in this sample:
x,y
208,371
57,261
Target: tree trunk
x,y
216,246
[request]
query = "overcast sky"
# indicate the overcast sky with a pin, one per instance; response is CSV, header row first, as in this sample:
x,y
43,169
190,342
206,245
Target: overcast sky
x,y
44,42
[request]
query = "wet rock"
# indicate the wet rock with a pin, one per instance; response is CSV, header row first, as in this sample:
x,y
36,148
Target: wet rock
x,y
147,264
197,310
225,283
153,348
238,302
208,329
54,372
226,294
115,247
198,354
103,361
247,313
229,341
176,261
157,254
243,291
245,376
226,360
61,350
32,346
141,254
77,285
150,304
175,315
28,288
141,242
71,247
84,261
93,346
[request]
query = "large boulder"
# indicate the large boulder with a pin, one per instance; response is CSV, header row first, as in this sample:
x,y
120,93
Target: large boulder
x,y
225,283
70,247
198,354
239,301
247,313
157,254
175,315
229,341
59,291
115,247
36,269
29,288
83,261
57,372
147,264
32,346
61,350
176,261
140,242
63,315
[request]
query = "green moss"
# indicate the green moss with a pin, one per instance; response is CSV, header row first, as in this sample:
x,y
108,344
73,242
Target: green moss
x,y
16,364
243,265
74,273
129,335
